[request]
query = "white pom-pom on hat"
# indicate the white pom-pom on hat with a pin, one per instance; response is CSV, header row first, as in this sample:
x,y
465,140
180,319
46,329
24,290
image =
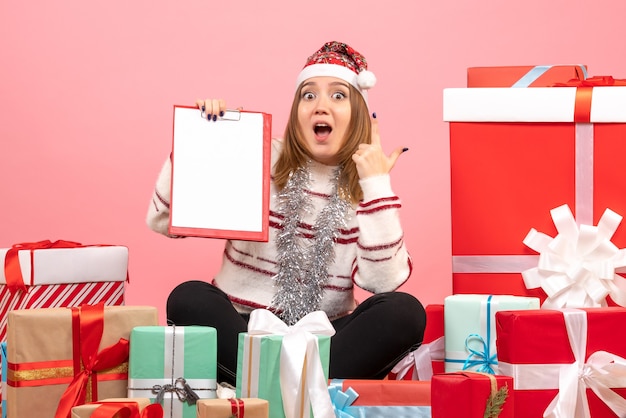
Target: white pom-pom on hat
x,y
366,79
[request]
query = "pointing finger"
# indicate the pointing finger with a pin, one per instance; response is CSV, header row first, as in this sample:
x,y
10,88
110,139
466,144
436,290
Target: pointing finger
x,y
375,140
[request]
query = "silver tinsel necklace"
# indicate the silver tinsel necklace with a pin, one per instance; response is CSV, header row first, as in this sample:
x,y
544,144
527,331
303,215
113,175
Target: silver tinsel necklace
x,y
303,269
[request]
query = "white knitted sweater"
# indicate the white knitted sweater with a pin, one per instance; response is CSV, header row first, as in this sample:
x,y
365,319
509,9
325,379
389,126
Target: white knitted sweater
x,y
370,252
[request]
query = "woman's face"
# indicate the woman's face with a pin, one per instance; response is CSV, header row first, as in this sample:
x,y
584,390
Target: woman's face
x,y
324,114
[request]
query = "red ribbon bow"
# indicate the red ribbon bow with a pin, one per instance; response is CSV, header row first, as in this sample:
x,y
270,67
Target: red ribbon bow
x,y
584,90
87,329
12,269
237,407
127,410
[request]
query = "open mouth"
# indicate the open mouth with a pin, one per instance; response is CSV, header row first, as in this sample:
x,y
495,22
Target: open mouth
x,y
322,131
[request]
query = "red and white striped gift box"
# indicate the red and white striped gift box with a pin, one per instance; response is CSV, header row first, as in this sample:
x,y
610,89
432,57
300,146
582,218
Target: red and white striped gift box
x,y
69,276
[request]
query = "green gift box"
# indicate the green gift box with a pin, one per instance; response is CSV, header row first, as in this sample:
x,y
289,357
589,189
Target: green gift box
x,y
259,368
173,366
470,329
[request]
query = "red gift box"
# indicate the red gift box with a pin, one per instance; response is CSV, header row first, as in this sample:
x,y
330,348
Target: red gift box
x,y
538,349
48,274
378,398
466,394
414,366
515,154
524,75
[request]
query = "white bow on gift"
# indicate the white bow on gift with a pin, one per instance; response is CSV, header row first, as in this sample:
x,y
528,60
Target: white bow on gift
x,y
600,373
421,361
577,267
302,382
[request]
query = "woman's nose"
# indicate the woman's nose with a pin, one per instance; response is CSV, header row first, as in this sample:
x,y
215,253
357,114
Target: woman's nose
x,y
321,106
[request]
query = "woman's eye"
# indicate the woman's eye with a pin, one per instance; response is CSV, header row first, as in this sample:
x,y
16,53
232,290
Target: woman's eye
x,y
308,96
339,95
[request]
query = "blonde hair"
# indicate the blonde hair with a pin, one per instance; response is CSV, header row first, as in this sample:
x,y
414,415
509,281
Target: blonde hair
x,y
295,153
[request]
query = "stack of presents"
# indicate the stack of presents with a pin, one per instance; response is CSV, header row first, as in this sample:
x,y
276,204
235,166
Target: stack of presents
x,y
532,328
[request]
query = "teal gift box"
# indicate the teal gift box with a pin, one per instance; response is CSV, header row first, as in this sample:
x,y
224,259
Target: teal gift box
x,y
259,367
470,329
174,366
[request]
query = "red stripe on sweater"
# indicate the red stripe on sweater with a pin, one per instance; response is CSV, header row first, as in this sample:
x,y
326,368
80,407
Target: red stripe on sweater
x,y
378,209
308,227
161,199
375,201
247,266
382,246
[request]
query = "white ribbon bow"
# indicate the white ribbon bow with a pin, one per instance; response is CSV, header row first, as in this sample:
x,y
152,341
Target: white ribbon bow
x,y
577,267
302,382
602,371
422,359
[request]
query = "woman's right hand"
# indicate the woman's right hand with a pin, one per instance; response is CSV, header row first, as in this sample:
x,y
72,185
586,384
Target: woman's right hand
x,y
212,108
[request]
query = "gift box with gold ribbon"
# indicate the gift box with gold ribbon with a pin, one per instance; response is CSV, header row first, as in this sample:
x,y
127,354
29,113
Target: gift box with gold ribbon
x,y
518,153
118,408
473,395
174,366
58,358
286,365
233,408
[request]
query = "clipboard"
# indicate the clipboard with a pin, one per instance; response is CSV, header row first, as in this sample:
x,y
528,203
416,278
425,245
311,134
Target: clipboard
x,y
220,175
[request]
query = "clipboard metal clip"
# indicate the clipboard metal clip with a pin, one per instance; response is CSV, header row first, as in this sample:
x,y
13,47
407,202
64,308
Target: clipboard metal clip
x,y
229,114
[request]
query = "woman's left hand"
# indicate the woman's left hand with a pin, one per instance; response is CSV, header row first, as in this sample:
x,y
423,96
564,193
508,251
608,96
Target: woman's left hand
x,y
371,160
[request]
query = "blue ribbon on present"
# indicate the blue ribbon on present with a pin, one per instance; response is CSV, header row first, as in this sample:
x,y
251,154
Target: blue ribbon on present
x,y
341,400
537,72
342,405
483,359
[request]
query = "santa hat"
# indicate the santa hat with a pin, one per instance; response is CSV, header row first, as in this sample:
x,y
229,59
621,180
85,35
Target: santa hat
x,y
336,59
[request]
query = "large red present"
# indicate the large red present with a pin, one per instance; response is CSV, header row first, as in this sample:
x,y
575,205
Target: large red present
x,y
524,75
569,361
50,274
380,398
472,395
421,363
518,153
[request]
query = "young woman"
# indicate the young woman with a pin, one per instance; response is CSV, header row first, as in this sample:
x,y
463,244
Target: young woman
x,y
334,224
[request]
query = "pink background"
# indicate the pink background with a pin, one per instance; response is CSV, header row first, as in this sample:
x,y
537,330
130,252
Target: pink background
x,y
87,89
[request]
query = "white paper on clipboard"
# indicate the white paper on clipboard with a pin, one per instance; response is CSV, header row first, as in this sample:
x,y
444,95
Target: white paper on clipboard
x,y
220,175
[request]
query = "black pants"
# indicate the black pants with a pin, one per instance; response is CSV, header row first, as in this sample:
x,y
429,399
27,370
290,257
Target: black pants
x,y
366,345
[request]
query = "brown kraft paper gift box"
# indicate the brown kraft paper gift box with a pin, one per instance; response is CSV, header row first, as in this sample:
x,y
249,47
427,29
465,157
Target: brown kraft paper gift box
x,y
85,411
40,356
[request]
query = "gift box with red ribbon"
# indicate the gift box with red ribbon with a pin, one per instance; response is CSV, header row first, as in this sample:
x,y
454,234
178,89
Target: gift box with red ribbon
x,y
473,395
58,358
119,407
233,408
420,364
356,398
516,154
565,363
524,75
50,274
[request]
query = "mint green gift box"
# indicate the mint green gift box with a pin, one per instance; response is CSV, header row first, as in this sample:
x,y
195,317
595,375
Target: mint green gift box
x,y
470,329
258,368
170,360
